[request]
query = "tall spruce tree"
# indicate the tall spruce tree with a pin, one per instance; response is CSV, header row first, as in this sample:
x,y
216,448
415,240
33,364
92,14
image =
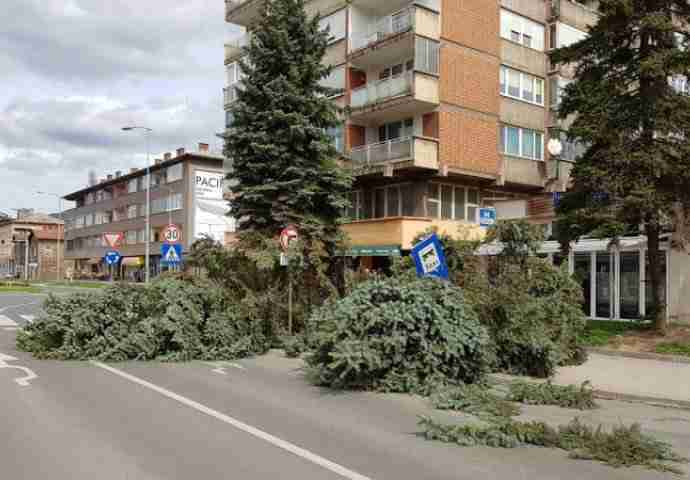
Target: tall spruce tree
x,y
636,124
285,168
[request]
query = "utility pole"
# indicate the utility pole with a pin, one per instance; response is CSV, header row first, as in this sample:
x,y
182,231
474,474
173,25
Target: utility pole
x,y
147,132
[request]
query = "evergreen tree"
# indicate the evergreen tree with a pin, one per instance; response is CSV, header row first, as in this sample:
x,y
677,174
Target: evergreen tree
x,y
636,124
285,168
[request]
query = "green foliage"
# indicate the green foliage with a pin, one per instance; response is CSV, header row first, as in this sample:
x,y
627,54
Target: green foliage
x,y
169,320
294,346
285,168
534,316
674,348
636,126
475,400
519,238
623,446
397,336
599,333
547,393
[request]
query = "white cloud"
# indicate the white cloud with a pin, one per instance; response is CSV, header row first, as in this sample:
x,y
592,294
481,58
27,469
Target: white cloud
x,y
76,71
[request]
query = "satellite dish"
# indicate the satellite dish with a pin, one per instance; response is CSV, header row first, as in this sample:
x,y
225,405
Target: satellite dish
x,y
555,147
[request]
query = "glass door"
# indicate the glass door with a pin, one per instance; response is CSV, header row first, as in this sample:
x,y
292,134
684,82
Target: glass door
x,y
604,279
583,274
629,285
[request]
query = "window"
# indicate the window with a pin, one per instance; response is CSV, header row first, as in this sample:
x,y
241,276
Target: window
x,y
174,173
449,202
563,35
335,81
132,211
354,212
522,30
337,135
336,23
522,86
88,220
426,56
141,236
522,142
394,130
391,201
132,185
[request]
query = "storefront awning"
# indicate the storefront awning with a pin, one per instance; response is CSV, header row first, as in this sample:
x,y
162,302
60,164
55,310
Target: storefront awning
x,y
374,251
132,262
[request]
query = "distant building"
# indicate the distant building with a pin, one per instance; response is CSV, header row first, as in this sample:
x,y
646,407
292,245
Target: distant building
x,y
186,190
29,245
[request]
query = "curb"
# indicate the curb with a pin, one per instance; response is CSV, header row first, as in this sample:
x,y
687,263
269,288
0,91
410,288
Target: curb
x,y
641,355
504,379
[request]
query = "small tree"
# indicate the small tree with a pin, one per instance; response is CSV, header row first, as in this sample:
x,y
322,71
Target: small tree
x,y
285,165
636,123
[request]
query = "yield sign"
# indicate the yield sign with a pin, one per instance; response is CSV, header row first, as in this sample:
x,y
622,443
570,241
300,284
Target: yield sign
x,y
113,240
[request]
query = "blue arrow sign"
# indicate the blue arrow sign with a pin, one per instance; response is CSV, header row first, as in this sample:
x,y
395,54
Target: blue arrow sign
x,y
112,258
171,253
429,258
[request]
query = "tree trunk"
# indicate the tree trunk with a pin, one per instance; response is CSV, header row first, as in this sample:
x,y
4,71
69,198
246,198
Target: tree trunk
x,y
658,307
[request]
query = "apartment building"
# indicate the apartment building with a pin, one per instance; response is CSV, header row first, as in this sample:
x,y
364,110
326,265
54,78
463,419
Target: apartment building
x,y
30,246
187,190
451,105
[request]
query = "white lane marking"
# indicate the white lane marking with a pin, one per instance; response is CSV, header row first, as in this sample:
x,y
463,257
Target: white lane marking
x,y
28,318
28,374
7,322
237,366
220,367
267,437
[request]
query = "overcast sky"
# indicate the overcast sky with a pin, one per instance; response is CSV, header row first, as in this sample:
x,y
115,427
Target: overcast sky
x,y
73,72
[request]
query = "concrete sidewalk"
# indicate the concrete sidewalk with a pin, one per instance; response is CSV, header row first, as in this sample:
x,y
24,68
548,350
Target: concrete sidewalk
x,y
631,378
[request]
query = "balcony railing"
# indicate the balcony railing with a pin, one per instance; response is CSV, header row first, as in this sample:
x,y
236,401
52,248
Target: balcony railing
x,y
229,94
392,24
377,153
381,90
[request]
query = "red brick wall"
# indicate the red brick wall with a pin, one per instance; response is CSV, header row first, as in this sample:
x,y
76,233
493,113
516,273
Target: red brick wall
x,y
473,23
540,206
470,79
468,141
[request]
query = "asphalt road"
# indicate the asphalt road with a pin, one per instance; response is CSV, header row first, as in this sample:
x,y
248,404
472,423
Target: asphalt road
x,y
249,420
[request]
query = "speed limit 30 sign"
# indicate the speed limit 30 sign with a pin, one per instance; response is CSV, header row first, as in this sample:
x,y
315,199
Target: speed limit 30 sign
x,y
171,234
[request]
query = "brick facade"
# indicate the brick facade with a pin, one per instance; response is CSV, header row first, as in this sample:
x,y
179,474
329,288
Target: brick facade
x,y
468,141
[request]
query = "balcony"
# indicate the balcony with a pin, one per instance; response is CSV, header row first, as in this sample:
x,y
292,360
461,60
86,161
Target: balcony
x,y
393,36
229,95
401,231
242,12
234,48
406,152
383,100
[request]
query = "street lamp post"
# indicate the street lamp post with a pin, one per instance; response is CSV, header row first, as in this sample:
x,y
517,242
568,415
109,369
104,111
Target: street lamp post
x,y
147,132
59,197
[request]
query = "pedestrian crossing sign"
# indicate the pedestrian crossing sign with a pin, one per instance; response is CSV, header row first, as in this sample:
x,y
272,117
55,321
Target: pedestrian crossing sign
x,y
171,253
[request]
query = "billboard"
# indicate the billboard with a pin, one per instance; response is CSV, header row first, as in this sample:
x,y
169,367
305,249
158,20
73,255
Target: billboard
x,y
210,208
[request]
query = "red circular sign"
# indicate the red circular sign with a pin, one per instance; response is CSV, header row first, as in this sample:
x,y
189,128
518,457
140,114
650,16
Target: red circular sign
x,y
171,234
288,235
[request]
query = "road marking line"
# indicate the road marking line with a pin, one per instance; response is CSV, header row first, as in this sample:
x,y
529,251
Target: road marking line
x,y
28,318
267,437
22,381
7,322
